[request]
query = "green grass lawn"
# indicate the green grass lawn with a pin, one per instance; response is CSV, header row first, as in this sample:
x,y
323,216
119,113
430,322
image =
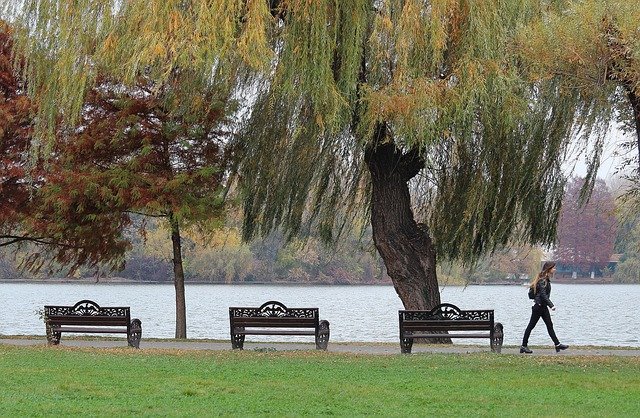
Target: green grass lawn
x,y
63,381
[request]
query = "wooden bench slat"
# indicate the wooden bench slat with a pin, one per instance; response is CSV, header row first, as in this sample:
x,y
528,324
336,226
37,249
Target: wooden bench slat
x,y
91,330
251,322
452,322
445,328
419,312
448,323
425,335
274,332
89,321
272,318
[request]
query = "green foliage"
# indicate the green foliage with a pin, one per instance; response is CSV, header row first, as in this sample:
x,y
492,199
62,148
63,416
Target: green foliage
x,y
592,47
7,269
70,43
444,78
444,81
37,380
219,256
628,268
511,265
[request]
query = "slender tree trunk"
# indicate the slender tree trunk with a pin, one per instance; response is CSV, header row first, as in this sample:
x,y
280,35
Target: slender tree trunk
x,y
178,278
405,246
635,105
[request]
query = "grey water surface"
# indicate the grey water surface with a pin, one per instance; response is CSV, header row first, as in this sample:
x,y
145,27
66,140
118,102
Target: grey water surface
x,y
587,314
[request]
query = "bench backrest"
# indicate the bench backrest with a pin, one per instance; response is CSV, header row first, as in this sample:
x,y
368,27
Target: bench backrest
x,y
274,314
446,317
87,312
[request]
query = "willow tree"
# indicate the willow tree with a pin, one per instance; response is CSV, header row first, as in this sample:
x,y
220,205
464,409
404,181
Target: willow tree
x,y
593,48
413,111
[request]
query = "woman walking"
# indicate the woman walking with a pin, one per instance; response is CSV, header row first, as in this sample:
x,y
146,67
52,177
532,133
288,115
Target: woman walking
x,y
541,286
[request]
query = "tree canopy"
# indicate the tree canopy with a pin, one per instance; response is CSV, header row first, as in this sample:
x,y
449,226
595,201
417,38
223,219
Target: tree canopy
x,y
151,154
15,120
138,148
592,47
439,74
438,82
37,204
390,106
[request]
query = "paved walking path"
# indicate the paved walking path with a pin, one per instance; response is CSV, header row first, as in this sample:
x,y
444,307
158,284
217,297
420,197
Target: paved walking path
x,y
334,347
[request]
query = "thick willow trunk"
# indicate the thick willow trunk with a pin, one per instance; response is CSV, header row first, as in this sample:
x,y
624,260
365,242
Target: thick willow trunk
x,y
405,246
635,105
178,279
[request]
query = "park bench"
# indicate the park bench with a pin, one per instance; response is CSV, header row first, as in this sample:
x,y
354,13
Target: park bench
x,y
273,318
87,317
452,320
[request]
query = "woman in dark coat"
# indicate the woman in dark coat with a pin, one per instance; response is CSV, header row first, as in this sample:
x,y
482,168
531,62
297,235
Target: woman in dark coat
x,y
541,286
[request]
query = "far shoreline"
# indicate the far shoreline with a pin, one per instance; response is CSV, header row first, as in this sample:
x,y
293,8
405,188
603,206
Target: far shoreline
x,y
121,280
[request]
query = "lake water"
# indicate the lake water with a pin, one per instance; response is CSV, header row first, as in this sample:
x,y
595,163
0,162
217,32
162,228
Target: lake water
x,y
603,315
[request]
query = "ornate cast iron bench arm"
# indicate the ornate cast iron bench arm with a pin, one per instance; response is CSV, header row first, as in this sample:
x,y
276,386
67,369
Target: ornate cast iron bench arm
x,y
87,317
448,321
273,318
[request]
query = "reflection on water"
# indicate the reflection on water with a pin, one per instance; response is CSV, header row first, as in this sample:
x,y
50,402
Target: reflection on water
x,y
356,313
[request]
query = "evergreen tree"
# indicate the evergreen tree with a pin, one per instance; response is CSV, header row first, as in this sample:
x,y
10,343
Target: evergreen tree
x,y
146,153
135,149
15,134
59,229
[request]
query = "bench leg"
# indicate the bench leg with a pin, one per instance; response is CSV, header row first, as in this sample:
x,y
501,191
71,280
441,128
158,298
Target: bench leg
x,y
322,336
237,340
53,337
405,345
497,338
136,333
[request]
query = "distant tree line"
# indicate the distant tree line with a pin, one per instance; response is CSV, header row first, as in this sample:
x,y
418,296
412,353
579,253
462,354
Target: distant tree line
x,y
589,234
222,257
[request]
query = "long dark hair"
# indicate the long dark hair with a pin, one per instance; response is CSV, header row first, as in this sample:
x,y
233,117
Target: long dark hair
x,y
544,274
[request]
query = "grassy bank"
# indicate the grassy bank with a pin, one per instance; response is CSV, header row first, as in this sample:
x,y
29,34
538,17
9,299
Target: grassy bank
x,y
124,382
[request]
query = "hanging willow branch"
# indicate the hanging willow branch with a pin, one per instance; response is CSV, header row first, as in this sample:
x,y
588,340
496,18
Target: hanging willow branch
x,y
447,84
68,42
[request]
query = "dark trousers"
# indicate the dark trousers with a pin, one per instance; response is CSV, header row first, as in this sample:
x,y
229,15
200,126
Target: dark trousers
x,y
538,311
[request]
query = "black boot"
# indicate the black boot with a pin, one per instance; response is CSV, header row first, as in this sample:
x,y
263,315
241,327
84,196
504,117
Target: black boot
x,y
525,349
561,347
